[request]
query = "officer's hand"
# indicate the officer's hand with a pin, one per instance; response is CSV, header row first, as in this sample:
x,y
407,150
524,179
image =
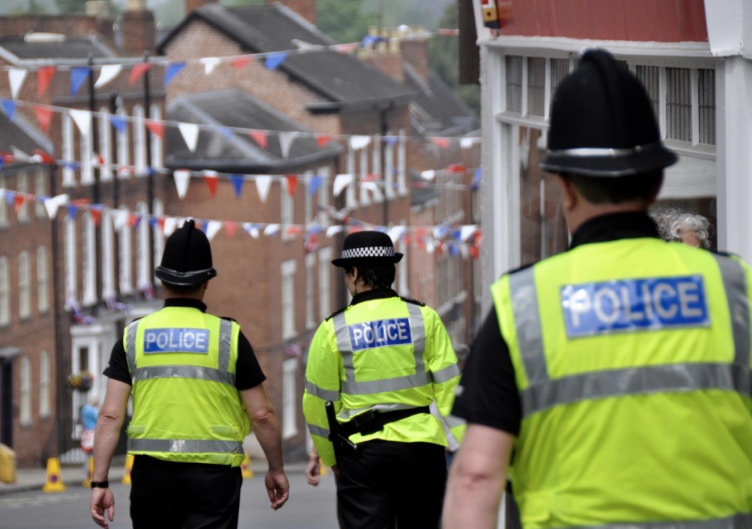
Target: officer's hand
x,y
313,470
102,501
277,487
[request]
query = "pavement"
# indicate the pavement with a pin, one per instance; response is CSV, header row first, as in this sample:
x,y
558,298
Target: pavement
x,y
72,475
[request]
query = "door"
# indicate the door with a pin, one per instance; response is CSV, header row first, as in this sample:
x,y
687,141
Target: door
x,y
6,402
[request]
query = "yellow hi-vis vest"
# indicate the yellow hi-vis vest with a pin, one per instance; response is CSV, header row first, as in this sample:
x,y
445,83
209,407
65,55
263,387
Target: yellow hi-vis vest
x,y
383,355
185,404
632,359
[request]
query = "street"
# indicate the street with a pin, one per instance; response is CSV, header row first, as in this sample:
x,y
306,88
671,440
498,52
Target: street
x,y
308,507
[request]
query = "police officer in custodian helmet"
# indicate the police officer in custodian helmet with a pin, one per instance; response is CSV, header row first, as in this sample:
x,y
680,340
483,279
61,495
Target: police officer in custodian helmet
x,y
380,362
197,387
618,372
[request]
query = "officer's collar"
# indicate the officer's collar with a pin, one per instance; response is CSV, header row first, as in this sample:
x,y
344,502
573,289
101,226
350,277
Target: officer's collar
x,y
614,226
378,293
185,302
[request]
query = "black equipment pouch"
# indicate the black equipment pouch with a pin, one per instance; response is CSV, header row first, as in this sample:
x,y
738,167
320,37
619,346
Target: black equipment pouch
x,y
373,421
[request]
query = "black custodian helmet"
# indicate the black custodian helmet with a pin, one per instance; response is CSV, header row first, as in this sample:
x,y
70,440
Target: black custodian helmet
x,y
602,123
367,246
187,257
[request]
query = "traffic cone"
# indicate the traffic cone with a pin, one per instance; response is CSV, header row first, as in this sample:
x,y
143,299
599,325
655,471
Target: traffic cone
x,y
127,472
89,472
53,482
245,467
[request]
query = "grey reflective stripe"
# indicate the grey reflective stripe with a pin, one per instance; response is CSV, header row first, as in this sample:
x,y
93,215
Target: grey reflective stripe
x,y
736,521
454,421
225,344
324,394
186,446
353,387
544,393
193,372
528,323
318,430
131,345
347,414
735,284
632,381
446,374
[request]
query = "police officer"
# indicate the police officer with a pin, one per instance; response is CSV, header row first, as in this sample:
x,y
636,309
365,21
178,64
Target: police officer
x,y
618,371
382,361
197,388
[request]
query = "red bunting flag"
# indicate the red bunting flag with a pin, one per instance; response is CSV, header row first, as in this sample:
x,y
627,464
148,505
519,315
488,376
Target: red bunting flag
x,y
456,168
44,77
371,177
18,201
96,215
259,136
44,117
294,229
133,220
292,183
161,223
211,181
231,227
44,157
323,139
239,62
138,70
156,127
441,142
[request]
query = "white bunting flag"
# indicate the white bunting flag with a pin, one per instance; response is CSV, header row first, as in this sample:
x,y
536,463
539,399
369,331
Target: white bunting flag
x,y
251,229
285,141
189,131
466,143
170,225
209,64
396,233
52,204
359,142
107,74
271,229
341,181
428,175
120,219
263,182
212,228
16,78
19,155
182,179
82,119
467,231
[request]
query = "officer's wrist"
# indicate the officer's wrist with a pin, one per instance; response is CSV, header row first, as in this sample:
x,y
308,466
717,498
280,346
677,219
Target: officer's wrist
x,y
100,484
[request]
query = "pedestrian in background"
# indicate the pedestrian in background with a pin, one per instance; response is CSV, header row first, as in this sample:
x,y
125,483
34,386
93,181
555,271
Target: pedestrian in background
x,y
692,229
88,417
381,361
619,371
197,388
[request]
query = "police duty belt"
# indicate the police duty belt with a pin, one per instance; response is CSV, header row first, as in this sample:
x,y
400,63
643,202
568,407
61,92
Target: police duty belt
x,y
373,421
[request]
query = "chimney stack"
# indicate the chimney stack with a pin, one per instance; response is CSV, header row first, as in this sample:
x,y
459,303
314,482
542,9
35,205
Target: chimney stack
x,y
304,8
138,29
414,48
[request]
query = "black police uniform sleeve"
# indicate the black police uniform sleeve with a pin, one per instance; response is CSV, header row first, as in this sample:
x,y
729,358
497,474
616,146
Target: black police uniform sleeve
x,y
248,373
117,369
489,394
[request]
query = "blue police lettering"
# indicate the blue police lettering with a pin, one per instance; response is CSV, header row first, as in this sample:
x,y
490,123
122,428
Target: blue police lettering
x,y
634,304
379,333
176,341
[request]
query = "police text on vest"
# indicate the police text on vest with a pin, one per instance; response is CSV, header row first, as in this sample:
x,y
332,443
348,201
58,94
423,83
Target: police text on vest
x,y
629,305
176,341
370,334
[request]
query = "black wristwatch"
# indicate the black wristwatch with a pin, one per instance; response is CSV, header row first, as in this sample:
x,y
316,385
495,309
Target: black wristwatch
x,y
100,484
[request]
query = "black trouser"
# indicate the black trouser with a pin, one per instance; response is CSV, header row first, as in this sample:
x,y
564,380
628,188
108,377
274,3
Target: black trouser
x,y
388,484
168,495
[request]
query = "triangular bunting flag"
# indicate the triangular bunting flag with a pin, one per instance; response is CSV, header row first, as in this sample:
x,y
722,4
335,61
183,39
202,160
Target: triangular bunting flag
x,y
212,228
82,119
285,141
156,127
137,70
16,78
359,142
209,64
52,204
44,77
189,131
18,201
428,175
239,62
134,219
119,123
442,143
182,179
171,71
466,143
259,136
274,60
271,230
341,181
292,183
120,219
77,77
323,139
263,182
44,117
168,225
212,179
313,184
9,107
237,184
333,230
107,74
231,227
251,229
96,214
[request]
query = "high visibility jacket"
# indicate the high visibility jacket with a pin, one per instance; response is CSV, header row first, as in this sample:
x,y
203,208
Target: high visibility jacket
x,y
632,358
185,404
381,354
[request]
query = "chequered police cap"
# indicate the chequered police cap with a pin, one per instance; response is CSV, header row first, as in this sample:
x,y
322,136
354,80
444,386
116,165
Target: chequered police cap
x,y
367,246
